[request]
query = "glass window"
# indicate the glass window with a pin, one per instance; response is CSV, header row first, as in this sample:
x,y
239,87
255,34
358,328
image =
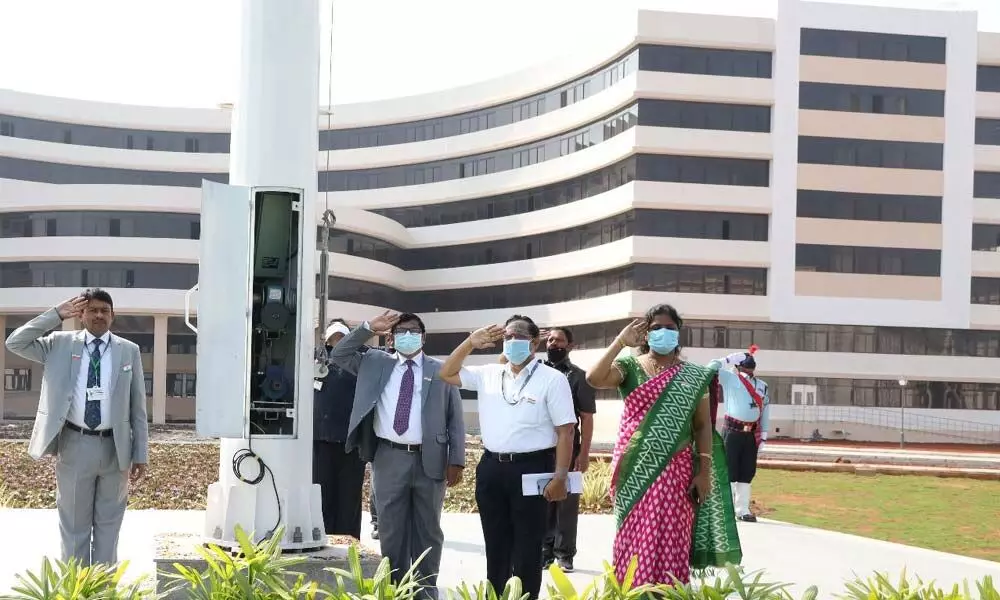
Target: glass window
x,y
988,78
871,99
873,46
99,223
44,172
986,184
698,169
822,204
871,153
112,137
705,61
873,261
704,115
988,132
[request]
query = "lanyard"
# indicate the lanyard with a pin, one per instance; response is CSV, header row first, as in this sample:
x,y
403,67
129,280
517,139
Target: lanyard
x,y
527,378
95,362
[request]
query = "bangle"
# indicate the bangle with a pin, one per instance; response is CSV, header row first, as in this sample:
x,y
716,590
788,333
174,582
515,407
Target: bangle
x,y
705,455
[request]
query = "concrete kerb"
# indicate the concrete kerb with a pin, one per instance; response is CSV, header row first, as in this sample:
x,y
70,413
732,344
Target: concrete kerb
x,y
879,469
173,549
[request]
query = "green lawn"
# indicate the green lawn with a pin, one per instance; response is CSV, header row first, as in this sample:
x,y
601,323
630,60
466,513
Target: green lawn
x,y
961,516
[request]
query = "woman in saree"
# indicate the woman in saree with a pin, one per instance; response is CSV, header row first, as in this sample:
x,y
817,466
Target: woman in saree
x,y
672,504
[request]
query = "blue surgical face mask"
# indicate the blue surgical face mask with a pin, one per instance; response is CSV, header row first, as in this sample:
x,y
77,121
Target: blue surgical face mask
x,y
408,343
517,351
663,341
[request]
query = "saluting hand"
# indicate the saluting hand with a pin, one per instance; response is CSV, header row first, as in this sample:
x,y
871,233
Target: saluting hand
x,y
486,337
633,334
384,322
72,307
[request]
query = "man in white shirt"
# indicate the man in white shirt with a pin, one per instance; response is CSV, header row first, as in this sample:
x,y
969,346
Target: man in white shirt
x,y
409,424
526,419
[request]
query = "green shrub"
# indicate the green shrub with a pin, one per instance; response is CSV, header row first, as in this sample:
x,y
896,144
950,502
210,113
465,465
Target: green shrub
x,y
260,572
596,486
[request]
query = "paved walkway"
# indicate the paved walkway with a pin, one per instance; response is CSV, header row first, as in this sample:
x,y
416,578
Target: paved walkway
x,y
788,552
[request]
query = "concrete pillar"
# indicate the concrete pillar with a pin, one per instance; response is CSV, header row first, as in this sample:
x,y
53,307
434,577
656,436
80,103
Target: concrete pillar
x,y
160,369
3,367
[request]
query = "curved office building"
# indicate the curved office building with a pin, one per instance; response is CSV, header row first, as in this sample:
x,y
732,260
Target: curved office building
x,y
825,185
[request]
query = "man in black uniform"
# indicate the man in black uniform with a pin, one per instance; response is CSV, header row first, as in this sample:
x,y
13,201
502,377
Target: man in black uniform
x,y
339,474
560,537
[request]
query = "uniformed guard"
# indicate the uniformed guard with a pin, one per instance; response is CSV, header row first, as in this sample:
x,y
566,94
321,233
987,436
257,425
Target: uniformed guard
x,y
747,404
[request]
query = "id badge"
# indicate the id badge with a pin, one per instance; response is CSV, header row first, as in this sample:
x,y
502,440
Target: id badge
x,y
96,394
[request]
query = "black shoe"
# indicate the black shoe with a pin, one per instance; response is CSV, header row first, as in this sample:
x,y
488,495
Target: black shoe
x,y
565,565
547,562
375,533
748,518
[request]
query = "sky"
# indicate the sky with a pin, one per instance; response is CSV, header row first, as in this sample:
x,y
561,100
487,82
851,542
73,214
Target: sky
x,y
186,52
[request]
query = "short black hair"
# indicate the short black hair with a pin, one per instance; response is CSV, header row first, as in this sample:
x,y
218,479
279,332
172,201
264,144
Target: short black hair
x,y
98,294
336,320
404,317
565,331
532,328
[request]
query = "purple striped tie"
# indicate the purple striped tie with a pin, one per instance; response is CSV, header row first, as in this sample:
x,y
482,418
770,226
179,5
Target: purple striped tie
x,y
404,402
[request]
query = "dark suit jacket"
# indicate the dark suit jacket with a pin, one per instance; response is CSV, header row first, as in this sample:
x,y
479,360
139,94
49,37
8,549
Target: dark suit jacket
x,y
442,419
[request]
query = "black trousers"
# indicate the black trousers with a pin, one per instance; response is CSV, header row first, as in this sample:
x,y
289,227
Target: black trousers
x,y
741,455
341,476
560,533
513,524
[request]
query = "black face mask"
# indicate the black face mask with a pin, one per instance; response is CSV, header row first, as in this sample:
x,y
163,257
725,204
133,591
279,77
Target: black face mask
x,y
557,355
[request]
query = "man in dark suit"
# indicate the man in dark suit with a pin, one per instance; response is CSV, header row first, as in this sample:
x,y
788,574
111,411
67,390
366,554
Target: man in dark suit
x,y
92,416
409,423
340,474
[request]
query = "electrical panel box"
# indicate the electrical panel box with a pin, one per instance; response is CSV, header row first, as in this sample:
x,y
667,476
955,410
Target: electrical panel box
x,y
250,311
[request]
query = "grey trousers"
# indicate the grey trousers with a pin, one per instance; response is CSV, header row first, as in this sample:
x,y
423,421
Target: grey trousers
x,y
409,515
91,495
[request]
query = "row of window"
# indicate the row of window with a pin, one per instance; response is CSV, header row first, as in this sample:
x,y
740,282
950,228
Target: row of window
x,y
988,132
871,99
643,222
676,59
870,261
823,204
103,223
638,277
873,393
872,46
483,164
705,115
652,167
113,137
486,118
789,337
179,385
871,153
160,276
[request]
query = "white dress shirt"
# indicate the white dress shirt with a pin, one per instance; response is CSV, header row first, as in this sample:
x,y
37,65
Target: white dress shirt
x,y
385,410
78,408
520,413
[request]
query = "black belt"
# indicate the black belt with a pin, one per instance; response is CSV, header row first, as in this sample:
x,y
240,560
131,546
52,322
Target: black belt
x,y
94,432
404,447
740,426
512,457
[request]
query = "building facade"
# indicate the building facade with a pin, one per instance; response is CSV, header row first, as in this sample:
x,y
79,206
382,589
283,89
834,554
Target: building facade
x,y
825,185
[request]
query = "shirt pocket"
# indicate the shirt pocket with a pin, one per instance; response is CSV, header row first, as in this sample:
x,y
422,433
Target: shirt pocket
x,y
530,414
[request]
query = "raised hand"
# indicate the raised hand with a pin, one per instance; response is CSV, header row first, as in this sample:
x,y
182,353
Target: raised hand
x,y
72,307
634,334
543,340
384,322
486,337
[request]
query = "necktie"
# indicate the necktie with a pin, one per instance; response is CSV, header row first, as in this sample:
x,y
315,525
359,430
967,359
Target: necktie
x,y
92,410
402,421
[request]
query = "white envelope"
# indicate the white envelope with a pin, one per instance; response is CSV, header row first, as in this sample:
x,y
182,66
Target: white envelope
x,y
532,484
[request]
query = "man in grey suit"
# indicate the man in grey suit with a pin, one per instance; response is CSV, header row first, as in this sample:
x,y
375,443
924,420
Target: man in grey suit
x,y
409,424
92,416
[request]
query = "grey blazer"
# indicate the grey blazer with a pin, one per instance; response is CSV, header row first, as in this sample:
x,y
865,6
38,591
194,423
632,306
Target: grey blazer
x,y
61,352
442,420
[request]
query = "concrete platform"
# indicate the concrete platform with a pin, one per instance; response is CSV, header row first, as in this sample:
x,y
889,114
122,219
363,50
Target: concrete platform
x,y
789,553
